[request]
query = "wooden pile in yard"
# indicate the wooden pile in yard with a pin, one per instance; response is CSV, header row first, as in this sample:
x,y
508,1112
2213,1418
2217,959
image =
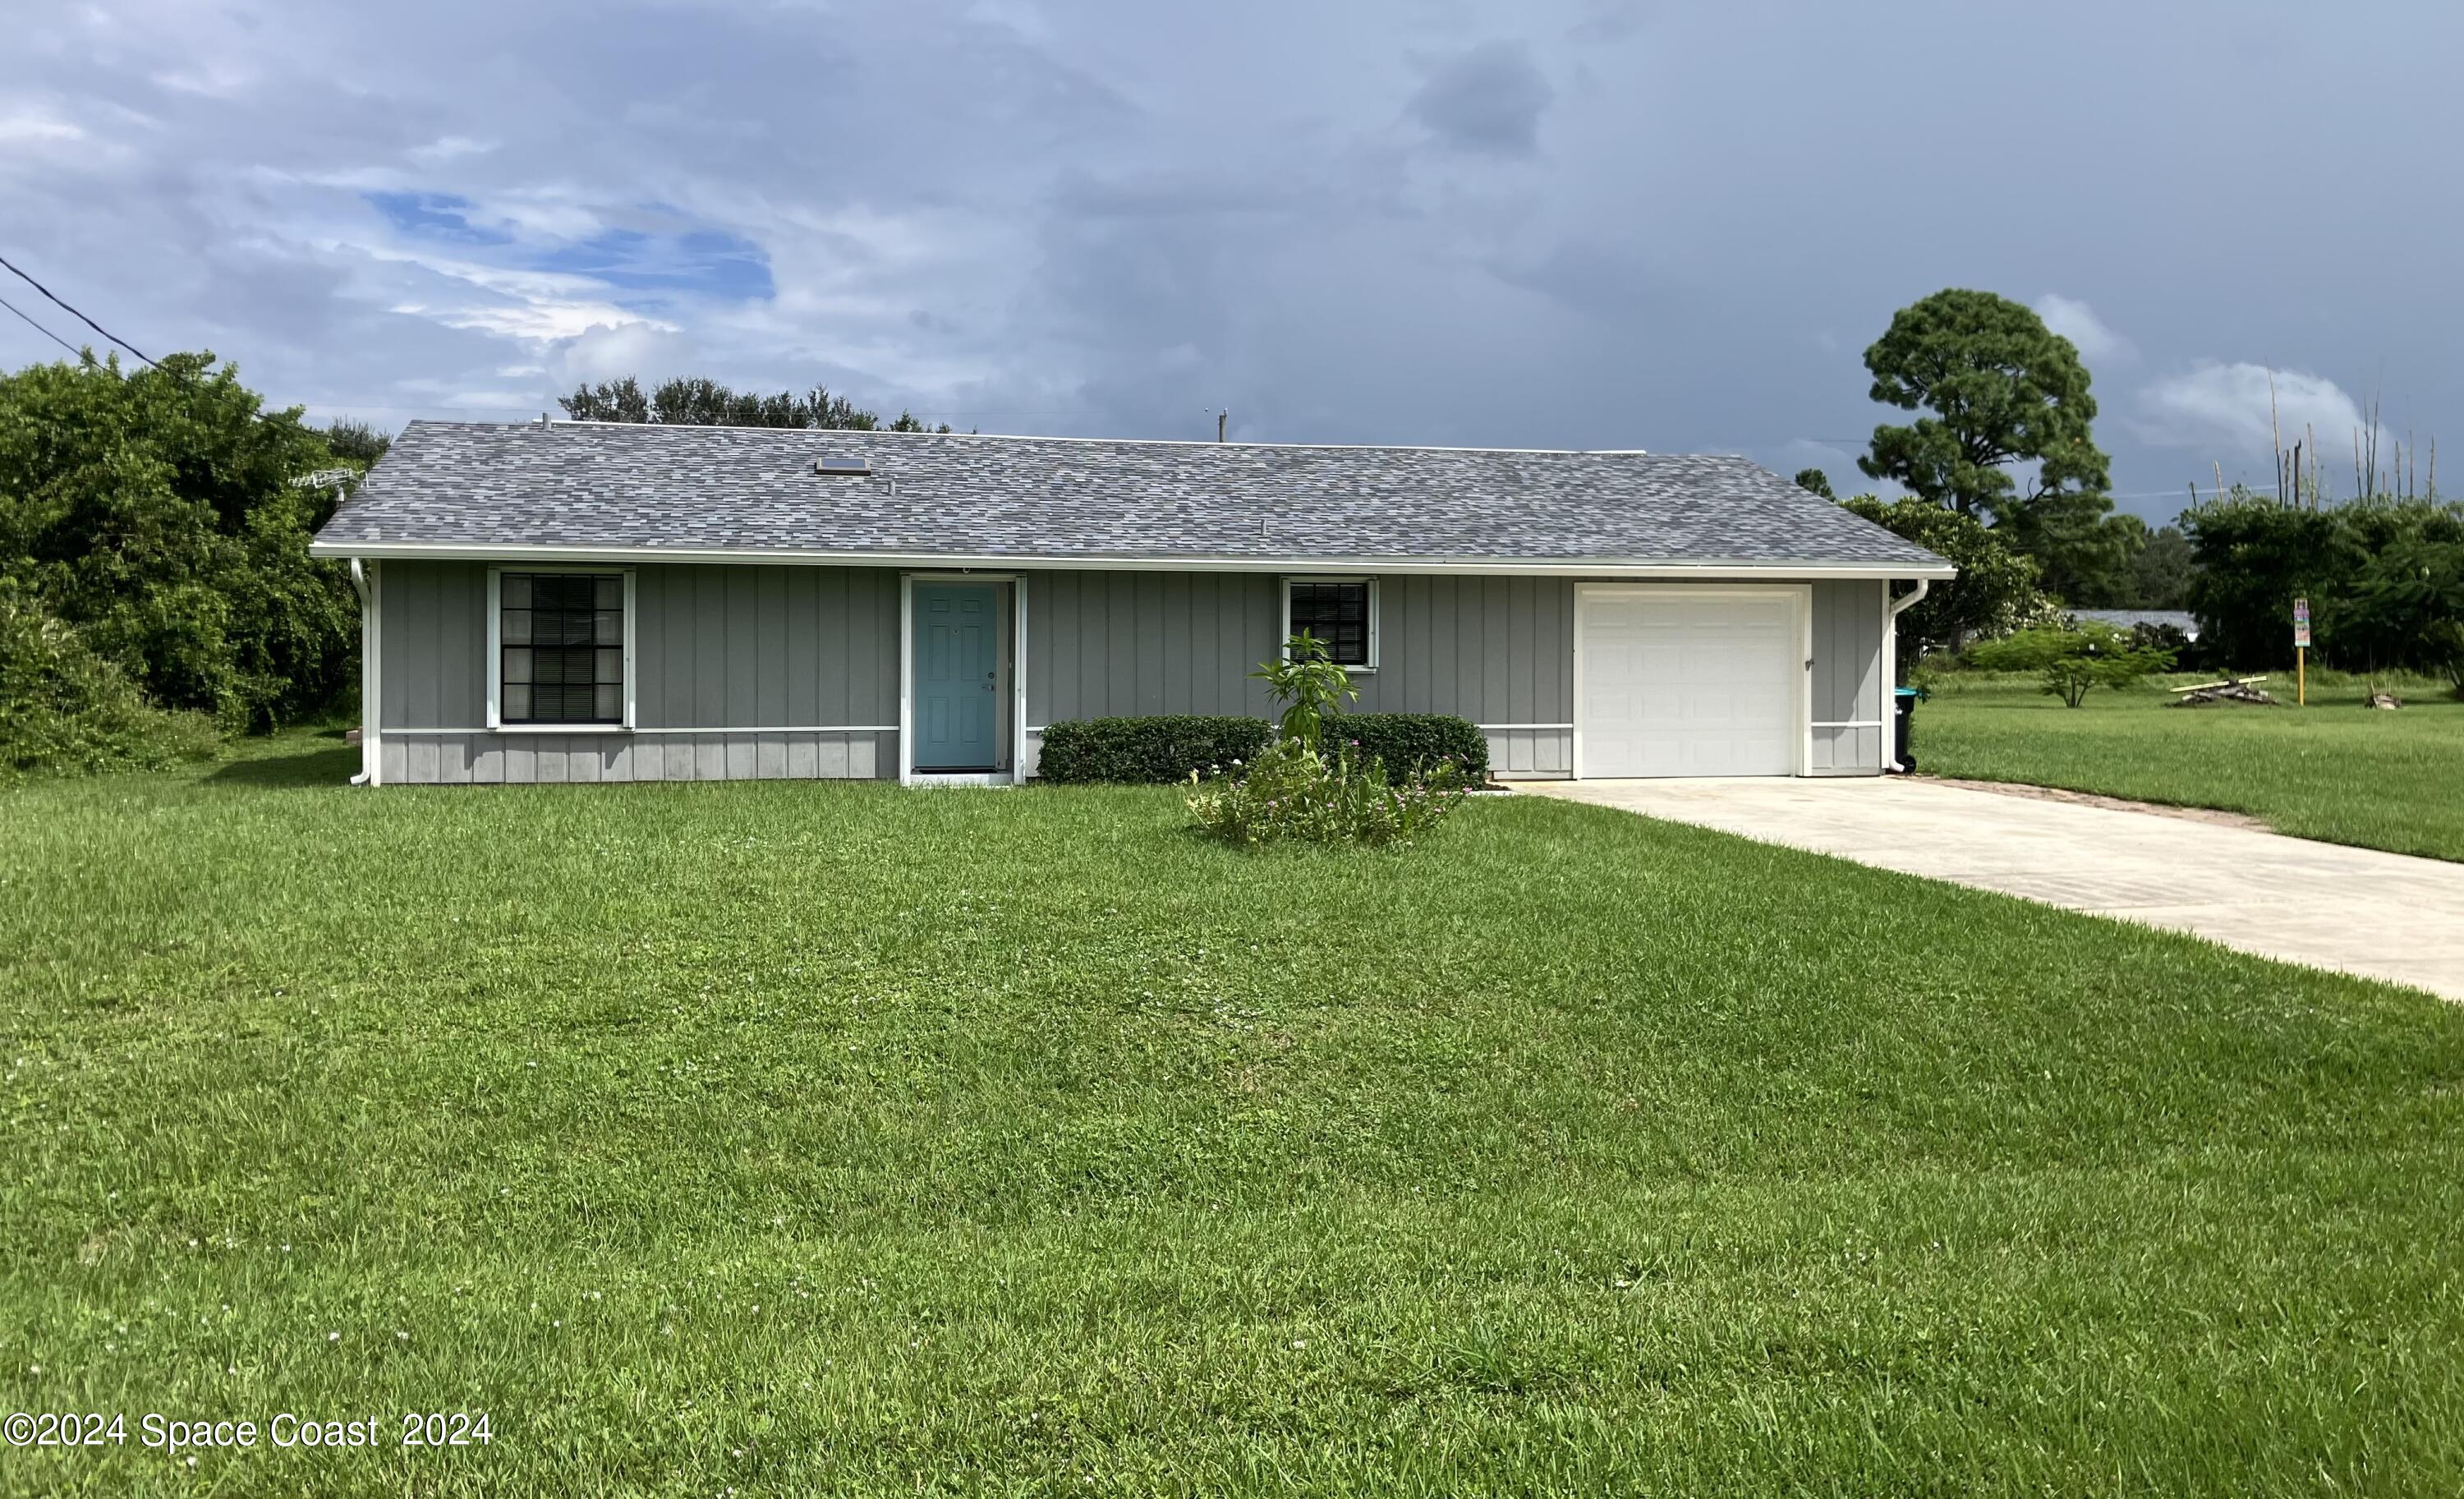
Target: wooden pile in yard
x,y
2232,690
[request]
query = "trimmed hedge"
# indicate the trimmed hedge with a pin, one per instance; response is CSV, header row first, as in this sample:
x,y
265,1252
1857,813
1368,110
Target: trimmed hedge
x,y
1150,751
1410,740
1160,751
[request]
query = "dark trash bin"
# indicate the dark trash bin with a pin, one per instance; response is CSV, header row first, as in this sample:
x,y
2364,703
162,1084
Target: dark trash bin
x,y
1904,702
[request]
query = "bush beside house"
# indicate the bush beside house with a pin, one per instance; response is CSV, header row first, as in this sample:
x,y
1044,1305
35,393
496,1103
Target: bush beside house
x,y
1163,750
64,709
1408,741
1151,751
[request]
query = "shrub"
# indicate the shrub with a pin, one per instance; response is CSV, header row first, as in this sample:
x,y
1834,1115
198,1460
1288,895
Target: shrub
x,y
1409,742
1156,751
66,710
2069,662
1292,792
160,512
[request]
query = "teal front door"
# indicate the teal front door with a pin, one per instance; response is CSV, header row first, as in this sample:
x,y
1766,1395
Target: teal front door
x,y
957,675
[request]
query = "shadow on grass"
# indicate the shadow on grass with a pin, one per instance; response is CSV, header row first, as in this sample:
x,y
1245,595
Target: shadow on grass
x,y
325,766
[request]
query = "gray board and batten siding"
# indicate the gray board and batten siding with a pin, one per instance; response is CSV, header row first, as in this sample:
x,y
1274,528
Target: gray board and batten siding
x,y
760,671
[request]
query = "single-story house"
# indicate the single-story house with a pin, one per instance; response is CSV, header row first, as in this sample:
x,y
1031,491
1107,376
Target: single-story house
x,y
575,601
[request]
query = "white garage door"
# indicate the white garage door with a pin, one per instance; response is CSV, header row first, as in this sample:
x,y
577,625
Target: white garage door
x,y
1688,681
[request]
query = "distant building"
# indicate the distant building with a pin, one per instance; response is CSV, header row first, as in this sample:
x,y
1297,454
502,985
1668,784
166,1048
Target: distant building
x,y
2182,620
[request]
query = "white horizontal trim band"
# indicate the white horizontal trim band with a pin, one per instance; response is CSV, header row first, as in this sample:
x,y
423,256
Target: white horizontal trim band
x,y
1851,723
1482,566
1040,728
618,727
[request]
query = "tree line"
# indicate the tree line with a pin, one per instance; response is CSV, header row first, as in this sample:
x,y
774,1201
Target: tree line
x,y
692,401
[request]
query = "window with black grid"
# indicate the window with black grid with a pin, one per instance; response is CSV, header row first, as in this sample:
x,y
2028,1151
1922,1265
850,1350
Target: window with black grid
x,y
564,638
1336,614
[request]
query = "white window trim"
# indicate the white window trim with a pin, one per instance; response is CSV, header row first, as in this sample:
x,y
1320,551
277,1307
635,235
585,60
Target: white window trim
x,y
496,651
1284,588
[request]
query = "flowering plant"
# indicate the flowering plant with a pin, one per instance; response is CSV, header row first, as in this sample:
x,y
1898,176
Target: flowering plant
x,y
1293,790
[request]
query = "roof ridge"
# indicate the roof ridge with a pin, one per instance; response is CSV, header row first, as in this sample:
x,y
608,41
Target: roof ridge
x,y
1144,442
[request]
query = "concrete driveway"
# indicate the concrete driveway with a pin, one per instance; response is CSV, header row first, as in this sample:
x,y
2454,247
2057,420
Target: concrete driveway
x,y
2384,915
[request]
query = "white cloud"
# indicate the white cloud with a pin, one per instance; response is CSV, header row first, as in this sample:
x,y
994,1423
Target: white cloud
x,y
603,351
2218,406
2077,321
30,125
446,147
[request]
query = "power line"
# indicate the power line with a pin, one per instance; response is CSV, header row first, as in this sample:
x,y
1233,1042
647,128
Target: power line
x,y
39,328
79,315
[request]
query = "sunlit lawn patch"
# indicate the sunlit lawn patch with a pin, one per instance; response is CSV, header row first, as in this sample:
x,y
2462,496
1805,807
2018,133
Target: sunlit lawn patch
x,y
2334,770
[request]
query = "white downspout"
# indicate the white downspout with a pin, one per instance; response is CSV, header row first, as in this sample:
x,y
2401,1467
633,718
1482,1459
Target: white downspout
x,y
371,758
1891,654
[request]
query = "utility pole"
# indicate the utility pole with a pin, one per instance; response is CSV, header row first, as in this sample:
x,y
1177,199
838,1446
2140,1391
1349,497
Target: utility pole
x,y
1222,419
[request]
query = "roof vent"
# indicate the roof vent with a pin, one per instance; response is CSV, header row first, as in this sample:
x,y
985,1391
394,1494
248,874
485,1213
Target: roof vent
x,y
842,468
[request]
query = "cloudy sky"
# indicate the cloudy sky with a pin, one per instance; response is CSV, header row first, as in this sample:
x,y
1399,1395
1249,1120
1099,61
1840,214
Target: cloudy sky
x,y
1658,224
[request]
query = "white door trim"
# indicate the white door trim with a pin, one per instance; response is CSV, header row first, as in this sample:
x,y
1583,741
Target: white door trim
x,y
1801,593
1014,664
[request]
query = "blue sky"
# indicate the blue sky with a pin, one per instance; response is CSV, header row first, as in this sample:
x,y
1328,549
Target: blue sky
x,y
1597,223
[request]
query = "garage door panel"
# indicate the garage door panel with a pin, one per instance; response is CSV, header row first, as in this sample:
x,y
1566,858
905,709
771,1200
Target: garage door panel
x,y
1701,684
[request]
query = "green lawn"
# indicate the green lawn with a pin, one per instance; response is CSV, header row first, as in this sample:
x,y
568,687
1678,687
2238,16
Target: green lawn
x,y
2334,770
788,1138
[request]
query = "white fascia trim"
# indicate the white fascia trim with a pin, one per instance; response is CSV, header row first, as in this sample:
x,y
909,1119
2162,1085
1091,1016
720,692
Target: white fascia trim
x,y
1640,569
530,730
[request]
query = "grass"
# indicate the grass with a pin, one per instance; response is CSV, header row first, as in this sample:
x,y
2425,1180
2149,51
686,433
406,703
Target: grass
x,y
2334,770
789,1138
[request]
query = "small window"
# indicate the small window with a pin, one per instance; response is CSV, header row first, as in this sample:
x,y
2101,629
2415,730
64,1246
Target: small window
x,y
562,647
1342,612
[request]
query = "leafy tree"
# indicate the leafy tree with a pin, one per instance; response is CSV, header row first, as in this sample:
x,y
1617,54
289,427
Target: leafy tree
x,y
2160,574
1816,480
2400,608
2006,397
2084,557
608,401
1996,587
695,401
2002,388
2069,663
159,513
355,441
2443,644
2255,555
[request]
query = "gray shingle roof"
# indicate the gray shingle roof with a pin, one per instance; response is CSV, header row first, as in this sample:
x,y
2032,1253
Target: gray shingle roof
x,y
590,486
